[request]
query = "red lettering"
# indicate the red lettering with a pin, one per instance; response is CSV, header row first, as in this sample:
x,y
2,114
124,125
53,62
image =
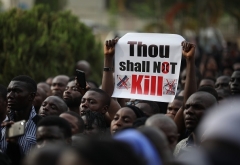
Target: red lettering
x,y
160,81
146,85
165,67
136,84
155,88
153,85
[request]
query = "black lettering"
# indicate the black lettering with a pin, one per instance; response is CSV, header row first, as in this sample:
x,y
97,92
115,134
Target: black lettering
x,y
123,67
157,67
129,66
161,51
153,51
132,43
142,50
173,64
137,67
143,66
148,66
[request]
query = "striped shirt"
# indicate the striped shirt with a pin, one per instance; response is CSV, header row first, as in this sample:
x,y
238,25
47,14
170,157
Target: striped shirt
x,y
28,140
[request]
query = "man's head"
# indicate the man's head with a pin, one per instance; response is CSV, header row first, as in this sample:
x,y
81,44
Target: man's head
x,y
52,130
45,87
3,101
94,122
39,98
71,96
21,92
52,106
59,84
235,82
174,106
84,66
95,100
167,125
148,107
75,121
207,82
195,108
183,77
222,82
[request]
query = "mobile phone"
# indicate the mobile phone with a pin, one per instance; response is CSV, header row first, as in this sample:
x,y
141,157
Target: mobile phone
x,y
81,78
16,129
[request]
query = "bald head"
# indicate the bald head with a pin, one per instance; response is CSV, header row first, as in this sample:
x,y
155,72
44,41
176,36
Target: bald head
x,y
45,87
84,66
59,84
39,98
167,125
52,106
222,82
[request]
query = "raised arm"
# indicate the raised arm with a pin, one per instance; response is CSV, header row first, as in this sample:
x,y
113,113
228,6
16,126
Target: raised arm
x,y
190,85
107,79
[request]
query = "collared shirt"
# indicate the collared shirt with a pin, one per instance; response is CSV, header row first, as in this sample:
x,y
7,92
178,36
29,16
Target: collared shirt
x,y
28,140
184,144
3,143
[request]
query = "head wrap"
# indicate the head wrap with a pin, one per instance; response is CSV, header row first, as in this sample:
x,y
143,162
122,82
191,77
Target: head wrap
x,y
140,145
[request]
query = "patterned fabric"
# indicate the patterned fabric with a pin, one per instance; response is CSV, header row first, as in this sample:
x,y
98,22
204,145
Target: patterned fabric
x,y
28,140
3,143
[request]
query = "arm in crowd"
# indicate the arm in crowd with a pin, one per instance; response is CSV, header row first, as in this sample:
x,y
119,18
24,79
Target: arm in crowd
x,y
107,80
190,85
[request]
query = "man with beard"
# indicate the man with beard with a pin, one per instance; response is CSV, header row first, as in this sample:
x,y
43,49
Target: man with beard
x,y
72,97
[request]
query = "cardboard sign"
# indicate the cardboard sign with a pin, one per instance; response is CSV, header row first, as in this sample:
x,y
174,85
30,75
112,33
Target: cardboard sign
x,y
147,66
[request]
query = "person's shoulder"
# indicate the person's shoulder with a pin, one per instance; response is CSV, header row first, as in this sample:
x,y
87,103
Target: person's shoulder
x,y
36,119
182,144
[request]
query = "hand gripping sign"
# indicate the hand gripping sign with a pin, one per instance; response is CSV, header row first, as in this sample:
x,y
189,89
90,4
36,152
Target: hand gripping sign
x,y
147,66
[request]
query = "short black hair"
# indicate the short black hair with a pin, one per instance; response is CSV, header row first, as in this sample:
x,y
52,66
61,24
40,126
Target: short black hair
x,y
71,79
80,120
32,85
138,112
210,90
59,122
154,106
180,98
106,97
3,92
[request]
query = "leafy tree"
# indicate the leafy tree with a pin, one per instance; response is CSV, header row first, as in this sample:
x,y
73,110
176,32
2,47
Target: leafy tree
x,y
41,43
54,5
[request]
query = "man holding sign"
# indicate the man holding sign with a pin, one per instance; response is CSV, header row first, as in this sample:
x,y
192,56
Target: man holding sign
x,y
147,68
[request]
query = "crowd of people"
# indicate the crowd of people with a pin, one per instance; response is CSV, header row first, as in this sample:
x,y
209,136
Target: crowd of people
x,y
69,125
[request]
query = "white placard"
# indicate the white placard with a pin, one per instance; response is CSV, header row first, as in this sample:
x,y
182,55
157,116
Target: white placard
x,y
147,66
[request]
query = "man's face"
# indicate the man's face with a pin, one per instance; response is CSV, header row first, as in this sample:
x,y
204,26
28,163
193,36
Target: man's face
x,y
173,107
58,86
18,96
49,135
50,106
39,98
122,119
194,110
73,121
93,101
222,82
71,96
235,82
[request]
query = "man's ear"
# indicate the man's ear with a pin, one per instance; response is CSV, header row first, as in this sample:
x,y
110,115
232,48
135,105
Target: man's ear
x,y
105,109
32,96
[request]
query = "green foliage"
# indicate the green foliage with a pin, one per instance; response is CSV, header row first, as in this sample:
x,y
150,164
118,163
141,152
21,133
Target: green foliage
x,y
54,5
41,44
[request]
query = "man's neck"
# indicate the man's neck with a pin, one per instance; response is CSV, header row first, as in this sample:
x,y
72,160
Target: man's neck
x,y
24,114
74,109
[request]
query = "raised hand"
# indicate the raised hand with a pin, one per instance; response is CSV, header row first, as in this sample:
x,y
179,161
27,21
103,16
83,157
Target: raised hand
x,y
188,50
109,47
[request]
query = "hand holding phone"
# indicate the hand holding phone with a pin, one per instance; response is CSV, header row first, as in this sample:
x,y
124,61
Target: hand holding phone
x,y
81,80
16,129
